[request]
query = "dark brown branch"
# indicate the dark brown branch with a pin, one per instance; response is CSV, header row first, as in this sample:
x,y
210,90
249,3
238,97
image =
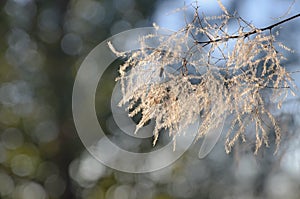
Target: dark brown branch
x,y
280,22
246,34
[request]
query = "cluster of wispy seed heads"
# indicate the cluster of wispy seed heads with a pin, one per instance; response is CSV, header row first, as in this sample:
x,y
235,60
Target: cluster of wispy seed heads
x,y
208,72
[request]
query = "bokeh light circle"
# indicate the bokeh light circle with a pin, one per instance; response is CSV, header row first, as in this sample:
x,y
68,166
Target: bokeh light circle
x,y
85,118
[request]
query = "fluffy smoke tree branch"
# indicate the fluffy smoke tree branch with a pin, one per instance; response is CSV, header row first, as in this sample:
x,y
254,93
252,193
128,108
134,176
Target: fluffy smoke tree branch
x,y
208,71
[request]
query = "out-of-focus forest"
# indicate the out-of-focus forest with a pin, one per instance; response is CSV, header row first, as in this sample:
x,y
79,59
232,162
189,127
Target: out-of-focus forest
x,y
43,43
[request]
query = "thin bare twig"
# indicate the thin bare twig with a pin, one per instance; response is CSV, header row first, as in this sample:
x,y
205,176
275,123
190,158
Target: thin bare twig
x,y
246,34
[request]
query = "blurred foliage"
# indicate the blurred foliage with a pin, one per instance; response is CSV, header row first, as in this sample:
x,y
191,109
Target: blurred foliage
x,y
43,42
